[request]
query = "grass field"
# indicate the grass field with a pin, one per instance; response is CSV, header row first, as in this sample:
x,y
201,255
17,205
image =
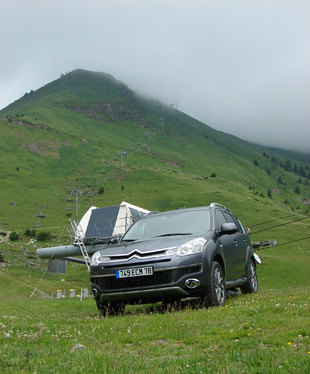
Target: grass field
x,y
268,332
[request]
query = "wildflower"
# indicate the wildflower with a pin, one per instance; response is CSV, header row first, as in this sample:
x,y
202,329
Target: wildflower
x,y
289,343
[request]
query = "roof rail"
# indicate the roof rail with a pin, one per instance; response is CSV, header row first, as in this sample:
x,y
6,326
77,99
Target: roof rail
x,y
212,205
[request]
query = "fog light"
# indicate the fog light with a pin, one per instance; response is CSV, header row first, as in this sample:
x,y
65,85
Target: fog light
x,y
95,293
192,283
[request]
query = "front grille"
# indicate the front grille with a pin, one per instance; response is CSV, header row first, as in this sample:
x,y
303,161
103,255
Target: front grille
x,y
138,254
140,263
159,278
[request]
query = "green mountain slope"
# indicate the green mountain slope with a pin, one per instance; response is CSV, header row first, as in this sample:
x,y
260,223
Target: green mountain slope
x,y
68,136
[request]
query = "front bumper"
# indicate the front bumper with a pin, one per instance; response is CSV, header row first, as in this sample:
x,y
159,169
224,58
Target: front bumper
x,y
168,281
145,295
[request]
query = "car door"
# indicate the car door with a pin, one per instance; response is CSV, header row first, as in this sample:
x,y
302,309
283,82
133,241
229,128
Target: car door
x,y
239,249
227,246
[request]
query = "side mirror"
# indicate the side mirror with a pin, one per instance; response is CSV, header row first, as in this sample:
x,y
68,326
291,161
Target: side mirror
x,y
228,228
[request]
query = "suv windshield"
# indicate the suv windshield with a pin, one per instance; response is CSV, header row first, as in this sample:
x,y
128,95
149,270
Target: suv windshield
x,y
170,224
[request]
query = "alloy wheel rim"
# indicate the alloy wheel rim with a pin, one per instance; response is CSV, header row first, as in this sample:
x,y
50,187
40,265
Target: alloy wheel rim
x,y
219,286
253,277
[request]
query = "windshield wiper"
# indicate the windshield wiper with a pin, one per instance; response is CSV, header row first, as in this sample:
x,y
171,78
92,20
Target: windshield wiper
x,y
173,234
129,240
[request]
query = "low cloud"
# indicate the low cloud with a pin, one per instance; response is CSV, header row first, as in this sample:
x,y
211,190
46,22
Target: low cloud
x,y
241,67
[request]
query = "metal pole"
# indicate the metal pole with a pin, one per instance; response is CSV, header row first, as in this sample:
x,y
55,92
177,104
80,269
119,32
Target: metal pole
x,y
76,208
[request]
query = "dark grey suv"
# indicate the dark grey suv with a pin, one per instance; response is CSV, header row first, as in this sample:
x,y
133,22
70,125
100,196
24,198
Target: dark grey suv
x,y
185,253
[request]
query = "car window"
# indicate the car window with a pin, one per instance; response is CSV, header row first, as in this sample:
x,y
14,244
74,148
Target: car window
x,y
228,217
231,218
219,219
238,223
180,223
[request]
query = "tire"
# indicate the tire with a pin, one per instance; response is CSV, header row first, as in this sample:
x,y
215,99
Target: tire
x,y
216,288
111,309
251,285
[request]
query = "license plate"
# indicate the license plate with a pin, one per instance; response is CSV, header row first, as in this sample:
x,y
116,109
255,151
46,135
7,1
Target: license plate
x,y
134,272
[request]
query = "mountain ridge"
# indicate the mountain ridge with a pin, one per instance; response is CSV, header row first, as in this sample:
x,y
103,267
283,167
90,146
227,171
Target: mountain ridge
x,y
73,134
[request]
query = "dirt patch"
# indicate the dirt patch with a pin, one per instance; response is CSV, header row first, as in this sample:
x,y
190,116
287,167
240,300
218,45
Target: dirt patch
x,y
32,125
43,148
172,163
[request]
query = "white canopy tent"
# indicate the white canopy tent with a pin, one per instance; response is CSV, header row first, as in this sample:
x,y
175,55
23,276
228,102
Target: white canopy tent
x,y
100,223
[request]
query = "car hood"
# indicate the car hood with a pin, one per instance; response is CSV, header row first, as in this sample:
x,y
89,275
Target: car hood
x,y
143,246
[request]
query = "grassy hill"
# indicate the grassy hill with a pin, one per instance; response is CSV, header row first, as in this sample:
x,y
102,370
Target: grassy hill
x,y
66,137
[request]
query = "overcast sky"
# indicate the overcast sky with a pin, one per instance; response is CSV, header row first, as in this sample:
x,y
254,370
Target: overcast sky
x,y
240,66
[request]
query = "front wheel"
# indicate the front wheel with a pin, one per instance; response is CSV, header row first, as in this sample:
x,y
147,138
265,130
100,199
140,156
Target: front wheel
x,y
216,289
251,284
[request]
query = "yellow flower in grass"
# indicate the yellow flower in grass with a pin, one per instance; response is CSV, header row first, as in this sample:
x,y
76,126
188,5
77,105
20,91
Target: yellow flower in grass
x,y
289,343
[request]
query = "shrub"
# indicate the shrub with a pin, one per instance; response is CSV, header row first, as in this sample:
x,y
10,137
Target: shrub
x,y
30,233
13,236
302,171
101,191
44,236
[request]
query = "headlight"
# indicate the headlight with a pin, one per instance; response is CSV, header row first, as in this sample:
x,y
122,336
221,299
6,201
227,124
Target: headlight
x,y
98,259
192,247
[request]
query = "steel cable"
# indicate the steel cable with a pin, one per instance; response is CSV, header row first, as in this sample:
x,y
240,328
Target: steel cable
x,y
282,224
276,219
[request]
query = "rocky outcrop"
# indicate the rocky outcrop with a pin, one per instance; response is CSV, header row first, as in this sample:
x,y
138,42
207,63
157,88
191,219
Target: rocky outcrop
x,y
106,112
